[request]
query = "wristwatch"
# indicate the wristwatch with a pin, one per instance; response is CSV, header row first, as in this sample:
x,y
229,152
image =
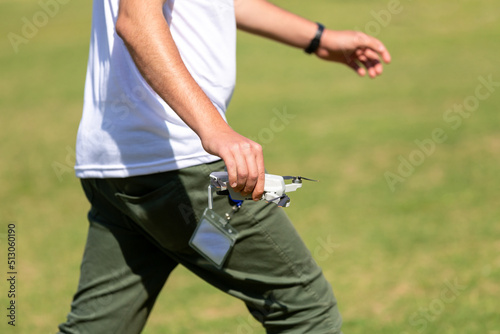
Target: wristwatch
x,y
314,45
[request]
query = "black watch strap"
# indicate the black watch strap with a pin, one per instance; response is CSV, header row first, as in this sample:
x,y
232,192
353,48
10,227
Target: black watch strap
x,y
314,45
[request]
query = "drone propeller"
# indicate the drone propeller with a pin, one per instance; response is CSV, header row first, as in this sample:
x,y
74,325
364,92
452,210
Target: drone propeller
x,y
299,178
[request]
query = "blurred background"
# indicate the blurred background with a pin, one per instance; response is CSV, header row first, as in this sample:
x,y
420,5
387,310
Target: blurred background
x,y
405,219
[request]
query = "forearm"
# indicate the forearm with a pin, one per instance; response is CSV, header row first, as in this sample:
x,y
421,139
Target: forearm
x,y
355,49
145,31
262,18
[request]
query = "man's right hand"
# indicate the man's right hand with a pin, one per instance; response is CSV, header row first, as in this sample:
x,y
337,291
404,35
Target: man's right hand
x,y
243,158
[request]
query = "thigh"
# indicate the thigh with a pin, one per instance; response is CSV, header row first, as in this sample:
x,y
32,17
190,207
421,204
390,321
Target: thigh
x,y
273,272
121,275
269,268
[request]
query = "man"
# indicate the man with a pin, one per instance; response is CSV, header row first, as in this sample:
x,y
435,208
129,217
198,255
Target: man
x,y
159,79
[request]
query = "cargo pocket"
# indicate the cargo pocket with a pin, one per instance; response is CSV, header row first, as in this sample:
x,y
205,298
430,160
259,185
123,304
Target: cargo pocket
x,y
165,214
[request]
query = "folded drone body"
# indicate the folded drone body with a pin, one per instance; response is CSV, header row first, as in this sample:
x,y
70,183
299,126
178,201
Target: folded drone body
x,y
275,188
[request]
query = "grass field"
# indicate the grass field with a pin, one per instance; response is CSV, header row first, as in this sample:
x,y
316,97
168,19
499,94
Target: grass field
x,y
405,221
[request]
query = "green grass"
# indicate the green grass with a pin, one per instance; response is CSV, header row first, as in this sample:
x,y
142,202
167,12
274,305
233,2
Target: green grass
x,y
392,252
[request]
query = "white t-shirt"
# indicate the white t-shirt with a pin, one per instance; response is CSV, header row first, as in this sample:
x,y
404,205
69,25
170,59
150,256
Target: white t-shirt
x,y
126,128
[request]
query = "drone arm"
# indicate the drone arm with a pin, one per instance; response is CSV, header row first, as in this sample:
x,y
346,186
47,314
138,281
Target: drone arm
x,y
292,187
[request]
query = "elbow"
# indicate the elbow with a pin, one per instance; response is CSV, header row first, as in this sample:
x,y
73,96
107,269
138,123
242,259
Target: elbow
x,y
127,26
137,17
122,27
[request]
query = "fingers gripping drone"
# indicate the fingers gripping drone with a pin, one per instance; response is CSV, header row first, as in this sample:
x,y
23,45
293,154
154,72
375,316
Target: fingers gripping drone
x,y
275,188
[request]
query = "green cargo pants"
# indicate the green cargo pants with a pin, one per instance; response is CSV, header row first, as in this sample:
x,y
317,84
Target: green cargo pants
x,y
139,232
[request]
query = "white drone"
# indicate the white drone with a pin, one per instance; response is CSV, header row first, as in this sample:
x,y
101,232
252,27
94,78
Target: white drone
x,y
275,189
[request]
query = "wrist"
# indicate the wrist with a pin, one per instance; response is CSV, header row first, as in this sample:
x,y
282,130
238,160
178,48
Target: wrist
x,y
315,42
213,129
